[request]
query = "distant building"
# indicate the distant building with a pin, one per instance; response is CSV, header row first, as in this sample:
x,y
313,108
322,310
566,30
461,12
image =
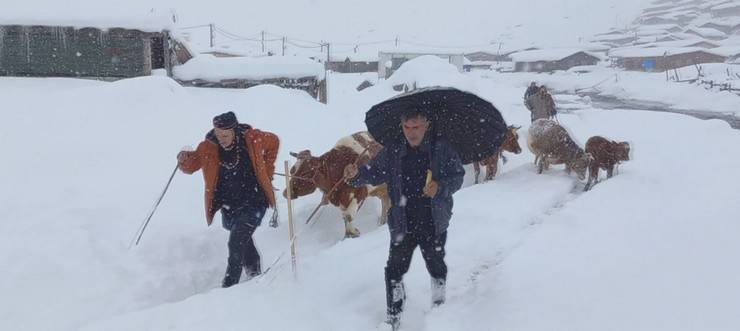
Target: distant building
x,y
662,58
353,64
487,56
92,52
551,60
390,61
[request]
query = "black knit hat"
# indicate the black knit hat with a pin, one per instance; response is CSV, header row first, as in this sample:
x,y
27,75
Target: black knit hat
x,y
225,121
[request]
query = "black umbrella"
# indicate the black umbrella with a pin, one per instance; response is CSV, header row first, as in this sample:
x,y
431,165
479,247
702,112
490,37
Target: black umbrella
x,y
473,126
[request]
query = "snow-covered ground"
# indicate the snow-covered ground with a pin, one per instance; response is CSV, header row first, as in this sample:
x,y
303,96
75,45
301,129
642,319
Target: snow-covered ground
x,y
637,86
653,248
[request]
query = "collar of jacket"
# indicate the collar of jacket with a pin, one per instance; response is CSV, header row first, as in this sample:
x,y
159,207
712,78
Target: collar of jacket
x,y
240,130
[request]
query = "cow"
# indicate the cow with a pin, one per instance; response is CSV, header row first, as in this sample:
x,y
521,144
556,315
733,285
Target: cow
x,y
510,144
551,144
326,173
606,155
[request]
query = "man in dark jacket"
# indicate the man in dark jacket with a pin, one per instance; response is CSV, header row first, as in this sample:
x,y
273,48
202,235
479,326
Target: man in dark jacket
x,y
531,90
238,164
420,208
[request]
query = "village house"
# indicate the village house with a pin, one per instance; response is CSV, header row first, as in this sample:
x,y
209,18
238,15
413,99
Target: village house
x,y
548,60
84,47
353,63
653,59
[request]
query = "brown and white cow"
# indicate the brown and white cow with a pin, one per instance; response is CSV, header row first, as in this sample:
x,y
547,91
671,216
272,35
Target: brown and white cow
x,y
510,144
551,144
326,172
606,155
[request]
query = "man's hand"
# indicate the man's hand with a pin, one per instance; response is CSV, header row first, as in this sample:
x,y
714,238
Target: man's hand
x,y
181,156
350,172
430,190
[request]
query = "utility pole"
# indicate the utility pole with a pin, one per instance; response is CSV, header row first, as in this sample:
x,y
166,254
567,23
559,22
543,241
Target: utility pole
x,y
211,27
283,46
396,40
328,53
263,41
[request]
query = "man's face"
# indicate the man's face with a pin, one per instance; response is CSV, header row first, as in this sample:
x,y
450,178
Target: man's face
x,y
414,129
225,137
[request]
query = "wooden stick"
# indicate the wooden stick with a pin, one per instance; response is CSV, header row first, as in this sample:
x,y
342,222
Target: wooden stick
x,y
290,221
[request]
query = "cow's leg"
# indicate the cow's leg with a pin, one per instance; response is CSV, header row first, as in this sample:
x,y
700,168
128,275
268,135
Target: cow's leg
x,y
476,167
567,169
350,231
610,171
593,175
492,167
540,163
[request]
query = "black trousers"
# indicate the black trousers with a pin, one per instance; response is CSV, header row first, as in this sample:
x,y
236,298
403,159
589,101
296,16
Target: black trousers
x,y
422,234
242,254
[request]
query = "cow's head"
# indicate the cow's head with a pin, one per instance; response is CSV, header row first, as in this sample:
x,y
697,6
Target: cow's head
x,y
304,171
581,163
511,140
622,151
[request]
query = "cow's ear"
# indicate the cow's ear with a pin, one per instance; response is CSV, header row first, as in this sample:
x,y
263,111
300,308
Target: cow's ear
x,y
294,154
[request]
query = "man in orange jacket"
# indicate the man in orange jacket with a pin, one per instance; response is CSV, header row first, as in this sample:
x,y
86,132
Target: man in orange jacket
x,y
238,164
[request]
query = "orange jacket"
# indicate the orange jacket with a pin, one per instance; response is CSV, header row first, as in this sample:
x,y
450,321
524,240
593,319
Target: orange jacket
x,y
262,147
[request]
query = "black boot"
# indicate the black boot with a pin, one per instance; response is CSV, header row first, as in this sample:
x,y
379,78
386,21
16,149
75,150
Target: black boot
x,y
438,291
395,294
233,274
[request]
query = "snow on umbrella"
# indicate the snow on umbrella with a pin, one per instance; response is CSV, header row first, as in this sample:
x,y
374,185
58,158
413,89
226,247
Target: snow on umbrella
x,y
472,125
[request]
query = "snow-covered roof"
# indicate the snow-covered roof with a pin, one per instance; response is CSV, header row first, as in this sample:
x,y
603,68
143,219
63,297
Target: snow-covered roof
x,y
706,32
728,5
654,51
147,20
210,68
728,51
613,37
651,33
658,27
683,43
728,22
546,55
423,50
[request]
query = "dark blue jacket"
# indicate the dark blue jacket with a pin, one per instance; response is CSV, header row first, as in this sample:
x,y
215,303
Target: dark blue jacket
x,y
447,171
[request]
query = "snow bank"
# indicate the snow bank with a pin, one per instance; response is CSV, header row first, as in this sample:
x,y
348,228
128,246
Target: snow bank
x,y
210,68
428,70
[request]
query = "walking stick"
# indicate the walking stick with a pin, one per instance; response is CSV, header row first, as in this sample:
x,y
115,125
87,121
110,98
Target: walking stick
x,y
156,204
290,221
